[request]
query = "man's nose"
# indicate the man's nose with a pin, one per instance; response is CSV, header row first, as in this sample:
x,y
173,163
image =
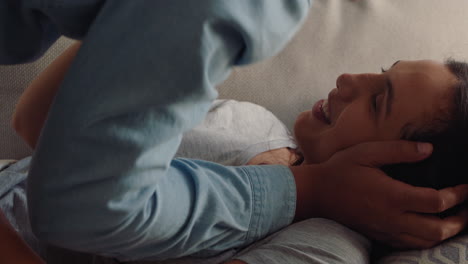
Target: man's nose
x,y
346,86
350,86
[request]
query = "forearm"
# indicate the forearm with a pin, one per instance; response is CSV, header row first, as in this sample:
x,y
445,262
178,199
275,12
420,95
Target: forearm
x,y
305,178
33,106
13,249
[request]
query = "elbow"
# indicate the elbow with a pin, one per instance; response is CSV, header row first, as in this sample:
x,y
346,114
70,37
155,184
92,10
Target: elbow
x,y
40,231
90,229
72,233
42,222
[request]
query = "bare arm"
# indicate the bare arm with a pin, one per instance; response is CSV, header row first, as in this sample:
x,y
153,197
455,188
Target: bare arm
x,y
13,249
32,108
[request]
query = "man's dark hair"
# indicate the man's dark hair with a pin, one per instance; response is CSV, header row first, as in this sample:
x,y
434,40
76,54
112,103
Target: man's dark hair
x,y
448,164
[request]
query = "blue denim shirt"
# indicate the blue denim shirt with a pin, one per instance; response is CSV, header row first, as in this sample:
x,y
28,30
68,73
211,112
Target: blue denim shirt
x,y
103,178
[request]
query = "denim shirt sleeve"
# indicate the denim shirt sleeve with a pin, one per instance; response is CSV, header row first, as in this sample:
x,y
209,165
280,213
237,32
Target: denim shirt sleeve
x,y
103,178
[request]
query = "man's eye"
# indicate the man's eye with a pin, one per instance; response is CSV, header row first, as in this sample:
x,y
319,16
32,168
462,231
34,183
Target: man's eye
x,y
375,101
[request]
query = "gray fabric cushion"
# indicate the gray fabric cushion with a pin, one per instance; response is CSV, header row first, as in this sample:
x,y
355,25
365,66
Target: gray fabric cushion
x,y
451,251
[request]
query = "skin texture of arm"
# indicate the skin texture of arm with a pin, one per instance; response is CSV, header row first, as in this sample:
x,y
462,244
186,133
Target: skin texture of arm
x,y
33,105
13,250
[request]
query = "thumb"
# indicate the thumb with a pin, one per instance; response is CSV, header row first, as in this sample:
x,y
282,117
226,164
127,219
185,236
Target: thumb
x,y
377,154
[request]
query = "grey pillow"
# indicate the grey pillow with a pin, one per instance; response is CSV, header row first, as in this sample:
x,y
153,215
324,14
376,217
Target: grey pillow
x,y
451,251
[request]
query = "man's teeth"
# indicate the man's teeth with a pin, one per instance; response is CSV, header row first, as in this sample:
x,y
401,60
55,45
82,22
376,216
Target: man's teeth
x,y
325,110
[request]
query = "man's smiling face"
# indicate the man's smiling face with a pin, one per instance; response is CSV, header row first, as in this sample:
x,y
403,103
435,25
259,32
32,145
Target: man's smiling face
x,y
375,107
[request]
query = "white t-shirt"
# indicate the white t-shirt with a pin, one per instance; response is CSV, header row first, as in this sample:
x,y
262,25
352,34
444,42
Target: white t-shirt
x,y
234,132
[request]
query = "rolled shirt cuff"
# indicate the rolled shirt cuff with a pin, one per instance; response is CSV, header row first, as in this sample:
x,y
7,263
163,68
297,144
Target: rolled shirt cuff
x,y
274,199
